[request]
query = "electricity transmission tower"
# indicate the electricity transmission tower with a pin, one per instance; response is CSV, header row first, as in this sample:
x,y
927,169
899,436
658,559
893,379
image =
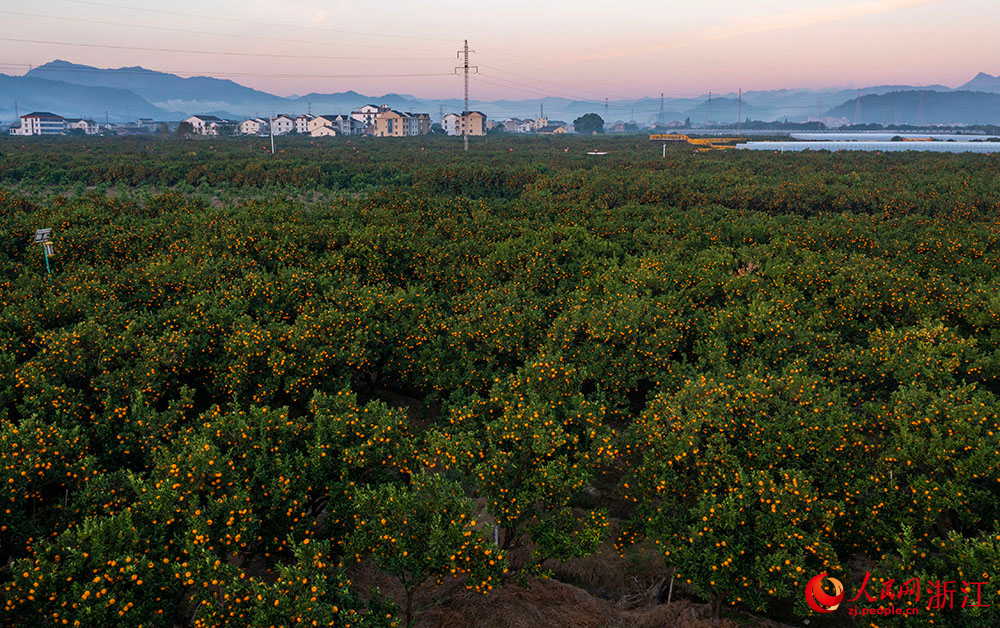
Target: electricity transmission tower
x,y
739,114
464,55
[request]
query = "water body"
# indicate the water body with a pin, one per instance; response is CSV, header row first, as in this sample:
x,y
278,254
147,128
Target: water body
x,y
862,136
934,147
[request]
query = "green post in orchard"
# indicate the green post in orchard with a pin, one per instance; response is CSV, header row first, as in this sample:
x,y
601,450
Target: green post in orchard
x,y
44,237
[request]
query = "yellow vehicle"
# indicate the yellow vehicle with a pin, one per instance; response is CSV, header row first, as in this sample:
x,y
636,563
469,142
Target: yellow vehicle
x,y
704,143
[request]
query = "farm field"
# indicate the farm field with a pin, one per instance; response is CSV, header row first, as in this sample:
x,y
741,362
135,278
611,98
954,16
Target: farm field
x,y
379,383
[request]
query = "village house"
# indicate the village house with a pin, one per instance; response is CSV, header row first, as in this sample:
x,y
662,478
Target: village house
x,y
222,127
511,125
343,124
366,114
199,124
302,123
254,126
321,121
323,131
469,123
552,129
88,127
392,123
282,124
526,126
40,123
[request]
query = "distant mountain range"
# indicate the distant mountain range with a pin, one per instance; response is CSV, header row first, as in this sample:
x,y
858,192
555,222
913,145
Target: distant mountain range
x,y
128,93
923,107
74,100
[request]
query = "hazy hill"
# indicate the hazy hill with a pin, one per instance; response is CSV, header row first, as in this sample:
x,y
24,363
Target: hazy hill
x,y
169,91
346,101
983,83
924,107
67,99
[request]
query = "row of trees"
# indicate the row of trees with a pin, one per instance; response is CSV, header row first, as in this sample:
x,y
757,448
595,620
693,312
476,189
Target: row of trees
x,y
193,420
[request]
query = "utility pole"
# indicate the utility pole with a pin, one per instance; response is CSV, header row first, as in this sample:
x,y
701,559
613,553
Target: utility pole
x,y
464,55
270,129
739,114
857,108
660,119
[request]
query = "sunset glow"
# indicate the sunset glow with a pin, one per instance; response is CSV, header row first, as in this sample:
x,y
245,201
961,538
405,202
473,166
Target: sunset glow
x,y
583,50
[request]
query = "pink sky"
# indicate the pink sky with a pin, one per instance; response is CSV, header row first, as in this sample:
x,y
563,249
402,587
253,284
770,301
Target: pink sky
x,y
582,49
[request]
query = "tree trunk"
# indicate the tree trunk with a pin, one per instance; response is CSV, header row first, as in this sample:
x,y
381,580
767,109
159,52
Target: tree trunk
x,y
409,607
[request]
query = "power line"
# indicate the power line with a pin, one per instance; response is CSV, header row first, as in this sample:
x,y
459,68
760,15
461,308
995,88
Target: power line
x,y
199,32
521,61
238,74
219,52
580,89
255,22
537,90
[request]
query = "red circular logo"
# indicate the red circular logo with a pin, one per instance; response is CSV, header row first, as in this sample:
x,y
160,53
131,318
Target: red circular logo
x,y
818,599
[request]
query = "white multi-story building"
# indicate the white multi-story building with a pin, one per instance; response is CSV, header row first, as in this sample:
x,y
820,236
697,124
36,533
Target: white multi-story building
x,y
366,114
42,123
201,124
343,124
282,124
511,125
221,127
302,123
253,126
89,127
469,123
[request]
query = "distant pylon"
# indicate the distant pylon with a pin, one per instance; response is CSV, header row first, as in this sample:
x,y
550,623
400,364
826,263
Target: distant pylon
x,y
708,117
739,113
605,110
660,119
857,108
